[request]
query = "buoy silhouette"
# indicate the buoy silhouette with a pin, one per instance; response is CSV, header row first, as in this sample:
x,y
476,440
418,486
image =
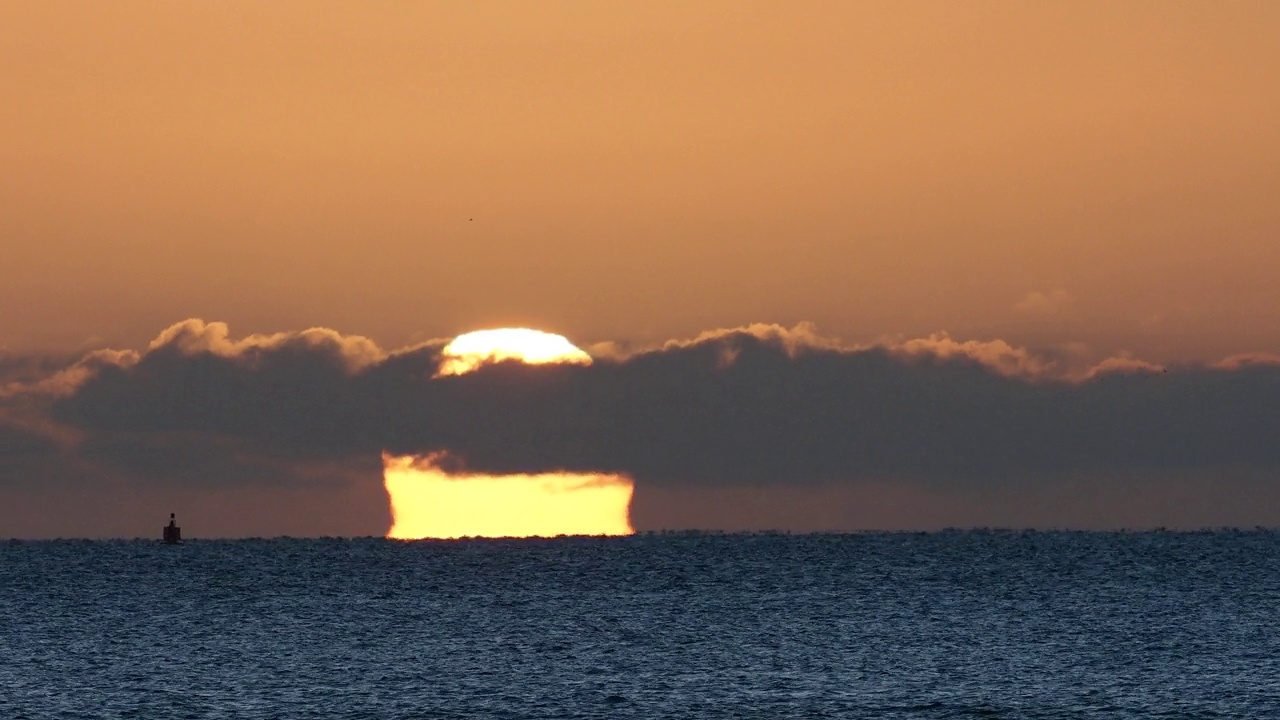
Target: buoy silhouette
x,y
172,533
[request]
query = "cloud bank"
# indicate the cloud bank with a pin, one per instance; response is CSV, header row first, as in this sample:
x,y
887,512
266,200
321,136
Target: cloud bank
x,y
759,406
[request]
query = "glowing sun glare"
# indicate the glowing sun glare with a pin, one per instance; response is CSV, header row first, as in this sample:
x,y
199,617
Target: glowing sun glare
x,y
427,502
471,350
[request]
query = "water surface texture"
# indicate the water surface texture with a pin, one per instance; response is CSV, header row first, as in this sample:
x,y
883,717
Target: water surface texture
x,y
944,625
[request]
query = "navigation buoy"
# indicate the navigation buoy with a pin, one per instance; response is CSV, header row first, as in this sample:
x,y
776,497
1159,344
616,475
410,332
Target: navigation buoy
x,y
172,533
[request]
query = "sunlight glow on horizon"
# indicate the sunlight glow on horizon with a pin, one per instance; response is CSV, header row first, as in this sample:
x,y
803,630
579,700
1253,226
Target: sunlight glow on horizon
x,y
469,351
428,502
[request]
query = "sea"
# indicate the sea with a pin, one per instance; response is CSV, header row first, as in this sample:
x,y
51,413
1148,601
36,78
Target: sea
x,y
953,624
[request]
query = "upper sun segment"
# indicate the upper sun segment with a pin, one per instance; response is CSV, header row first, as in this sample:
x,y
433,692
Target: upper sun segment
x,y
471,350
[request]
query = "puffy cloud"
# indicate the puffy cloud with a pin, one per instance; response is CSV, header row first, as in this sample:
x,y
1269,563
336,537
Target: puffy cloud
x,y
1235,362
194,337
760,406
64,380
998,355
1122,364
1044,303
24,368
755,404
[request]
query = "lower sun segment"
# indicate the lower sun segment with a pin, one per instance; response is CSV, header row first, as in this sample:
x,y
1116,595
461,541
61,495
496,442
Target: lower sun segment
x,y
427,502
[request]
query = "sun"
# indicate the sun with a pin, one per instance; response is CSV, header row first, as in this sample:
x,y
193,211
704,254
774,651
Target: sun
x,y
470,351
429,502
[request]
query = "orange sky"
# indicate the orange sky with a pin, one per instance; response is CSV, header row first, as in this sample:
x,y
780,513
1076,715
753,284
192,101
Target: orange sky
x,y
645,170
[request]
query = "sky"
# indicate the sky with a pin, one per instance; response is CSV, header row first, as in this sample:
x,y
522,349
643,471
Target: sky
x,y
1067,210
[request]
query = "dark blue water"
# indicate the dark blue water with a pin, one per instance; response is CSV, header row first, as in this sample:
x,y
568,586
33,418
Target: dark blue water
x,y
946,625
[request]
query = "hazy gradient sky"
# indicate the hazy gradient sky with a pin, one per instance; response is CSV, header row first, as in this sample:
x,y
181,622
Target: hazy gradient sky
x,y
1102,173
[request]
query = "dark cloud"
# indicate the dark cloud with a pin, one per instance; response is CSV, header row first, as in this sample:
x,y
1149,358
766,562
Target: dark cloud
x,y
755,405
25,453
759,406
23,368
113,471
